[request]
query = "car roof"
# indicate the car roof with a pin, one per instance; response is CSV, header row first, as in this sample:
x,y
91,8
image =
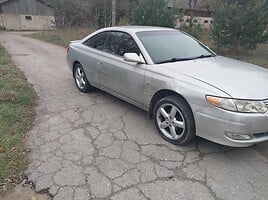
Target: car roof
x,y
135,29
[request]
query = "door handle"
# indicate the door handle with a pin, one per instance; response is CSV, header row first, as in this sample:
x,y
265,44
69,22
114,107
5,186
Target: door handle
x,y
99,63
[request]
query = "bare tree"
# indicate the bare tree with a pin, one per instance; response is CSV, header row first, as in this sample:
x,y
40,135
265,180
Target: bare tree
x,y
99,13
74,13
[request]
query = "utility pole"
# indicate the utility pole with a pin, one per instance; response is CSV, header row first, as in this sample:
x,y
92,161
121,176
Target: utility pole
x,y
113,12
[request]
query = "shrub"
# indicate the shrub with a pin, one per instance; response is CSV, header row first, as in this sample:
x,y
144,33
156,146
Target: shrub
x,y
239,24
154,13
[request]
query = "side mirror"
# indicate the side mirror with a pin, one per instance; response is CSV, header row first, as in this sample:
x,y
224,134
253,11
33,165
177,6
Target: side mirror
x,y
132,57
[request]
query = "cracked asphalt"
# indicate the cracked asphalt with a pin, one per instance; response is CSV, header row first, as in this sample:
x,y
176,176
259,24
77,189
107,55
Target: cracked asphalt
x,y
95,146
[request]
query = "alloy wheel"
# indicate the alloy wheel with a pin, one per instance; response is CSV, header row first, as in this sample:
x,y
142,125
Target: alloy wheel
x,y
170,121
80,78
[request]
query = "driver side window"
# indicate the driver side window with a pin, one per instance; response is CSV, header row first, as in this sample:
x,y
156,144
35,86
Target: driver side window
x,y
127,45
119,43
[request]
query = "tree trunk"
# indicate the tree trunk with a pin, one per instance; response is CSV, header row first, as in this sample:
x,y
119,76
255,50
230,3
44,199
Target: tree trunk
x,y
113,12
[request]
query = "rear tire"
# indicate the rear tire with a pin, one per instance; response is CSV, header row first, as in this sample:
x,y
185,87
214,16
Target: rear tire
x,y
80,79
174,120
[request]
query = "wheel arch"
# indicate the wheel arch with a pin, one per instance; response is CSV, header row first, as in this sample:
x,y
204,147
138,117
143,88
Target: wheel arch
x,y
74,63
164,93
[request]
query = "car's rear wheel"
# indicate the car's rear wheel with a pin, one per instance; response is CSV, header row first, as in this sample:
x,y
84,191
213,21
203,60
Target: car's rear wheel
x,y
174,120
81,79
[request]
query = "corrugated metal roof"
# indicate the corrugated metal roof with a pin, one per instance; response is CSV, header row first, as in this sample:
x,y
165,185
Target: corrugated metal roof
x,y
3,1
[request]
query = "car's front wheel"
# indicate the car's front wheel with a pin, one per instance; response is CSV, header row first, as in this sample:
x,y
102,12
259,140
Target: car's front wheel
x,y
81,79
174,120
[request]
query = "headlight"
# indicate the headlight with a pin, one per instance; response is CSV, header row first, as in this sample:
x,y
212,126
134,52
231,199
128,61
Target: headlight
x,y
244,106
250,106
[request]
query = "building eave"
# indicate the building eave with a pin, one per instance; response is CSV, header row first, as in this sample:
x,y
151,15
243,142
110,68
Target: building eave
x,y
3,1
41,1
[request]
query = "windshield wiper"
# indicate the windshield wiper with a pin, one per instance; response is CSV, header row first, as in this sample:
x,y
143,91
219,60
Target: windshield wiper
x,y
205,56
184,59
174,60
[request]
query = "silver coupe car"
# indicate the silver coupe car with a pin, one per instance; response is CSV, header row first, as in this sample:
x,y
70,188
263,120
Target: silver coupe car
x,y
187,89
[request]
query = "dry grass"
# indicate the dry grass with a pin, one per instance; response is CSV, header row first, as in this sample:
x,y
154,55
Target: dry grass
x,y
258,56
62,37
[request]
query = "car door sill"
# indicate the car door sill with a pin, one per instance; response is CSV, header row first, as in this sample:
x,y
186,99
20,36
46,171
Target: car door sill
x,y
122,97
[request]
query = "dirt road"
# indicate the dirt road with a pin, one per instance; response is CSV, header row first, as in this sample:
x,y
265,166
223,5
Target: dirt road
x,y
95,146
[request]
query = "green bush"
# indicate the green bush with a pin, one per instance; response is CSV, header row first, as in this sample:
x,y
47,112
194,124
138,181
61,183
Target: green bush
x,y
154,13
237,25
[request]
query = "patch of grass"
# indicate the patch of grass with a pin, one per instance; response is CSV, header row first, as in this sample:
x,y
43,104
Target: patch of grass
x,y
17,99
62,37
258,56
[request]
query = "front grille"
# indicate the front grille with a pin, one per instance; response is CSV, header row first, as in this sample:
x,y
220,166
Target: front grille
x,y
260,135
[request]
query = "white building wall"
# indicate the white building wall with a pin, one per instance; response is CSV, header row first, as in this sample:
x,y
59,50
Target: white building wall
x,y
205,22
27,22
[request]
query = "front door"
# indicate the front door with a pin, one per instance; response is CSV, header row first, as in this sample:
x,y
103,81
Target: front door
x,y
124,79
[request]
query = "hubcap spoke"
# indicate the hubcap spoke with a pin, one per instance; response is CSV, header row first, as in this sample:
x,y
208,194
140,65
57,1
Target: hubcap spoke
x,y
173,112
79,83
178,124
83,82
164,124
80,72
164,113
173,131
79,76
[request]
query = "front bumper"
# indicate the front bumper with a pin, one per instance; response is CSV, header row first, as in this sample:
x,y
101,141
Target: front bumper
x,y
219,125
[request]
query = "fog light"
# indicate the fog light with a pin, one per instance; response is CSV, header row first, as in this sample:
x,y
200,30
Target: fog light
x,y
237,136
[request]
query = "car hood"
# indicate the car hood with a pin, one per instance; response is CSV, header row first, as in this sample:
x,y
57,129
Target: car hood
x,y
236,78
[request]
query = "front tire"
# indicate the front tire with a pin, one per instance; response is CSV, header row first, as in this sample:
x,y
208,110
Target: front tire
x,y
174,120
80,79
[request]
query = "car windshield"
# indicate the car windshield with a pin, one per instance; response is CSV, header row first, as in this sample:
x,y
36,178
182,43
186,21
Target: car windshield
x,y
172,46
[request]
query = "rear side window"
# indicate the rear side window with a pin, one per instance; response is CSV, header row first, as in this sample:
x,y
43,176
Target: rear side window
x,y
97,41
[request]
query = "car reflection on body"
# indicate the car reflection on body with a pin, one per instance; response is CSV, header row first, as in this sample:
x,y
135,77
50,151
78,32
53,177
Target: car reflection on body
x,y
186,88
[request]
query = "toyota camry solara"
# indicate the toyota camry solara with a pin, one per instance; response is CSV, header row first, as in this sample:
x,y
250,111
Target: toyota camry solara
x,y
186,88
